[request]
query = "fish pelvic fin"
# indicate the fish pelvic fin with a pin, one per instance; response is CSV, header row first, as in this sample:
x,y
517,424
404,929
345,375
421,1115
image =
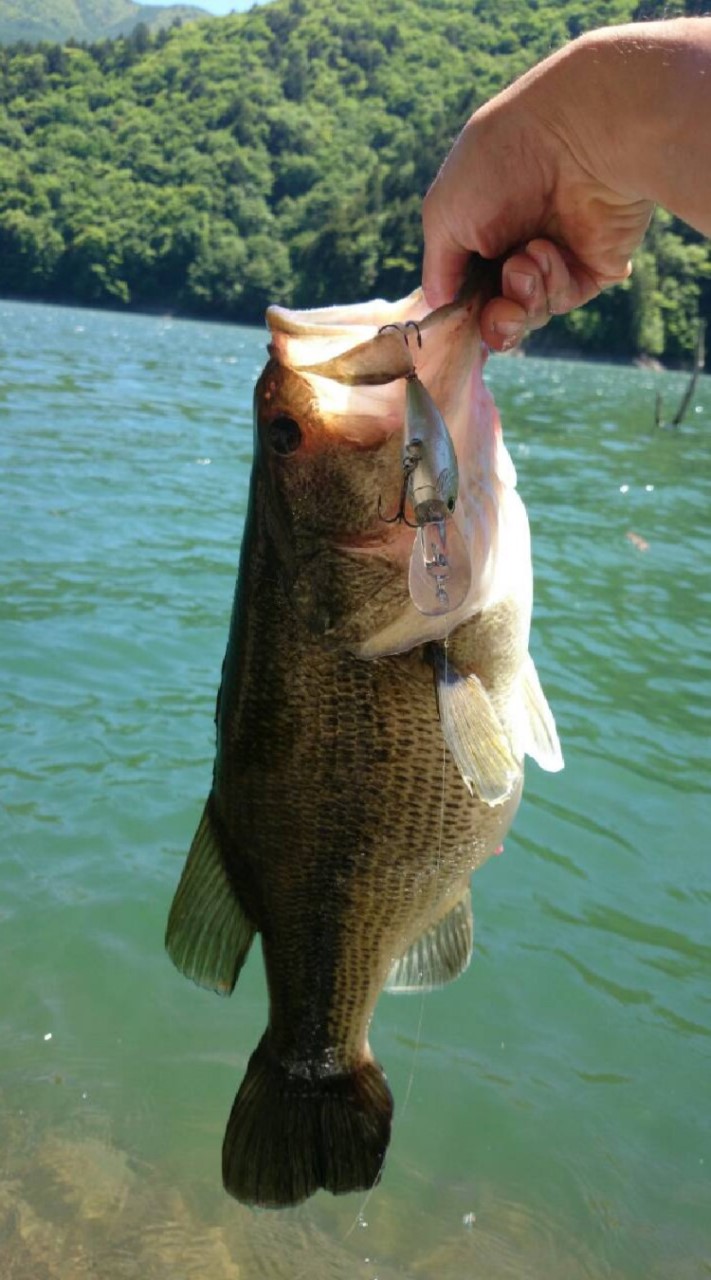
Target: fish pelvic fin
x,y
474,733
290,1133
440,954
208,934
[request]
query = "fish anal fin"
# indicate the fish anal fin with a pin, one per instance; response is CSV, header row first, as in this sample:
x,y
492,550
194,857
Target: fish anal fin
x,y
440,954
208,934
290,1133
540,737
474,734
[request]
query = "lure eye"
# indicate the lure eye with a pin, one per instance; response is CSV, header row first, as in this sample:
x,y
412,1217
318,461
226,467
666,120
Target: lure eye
x,y
283,435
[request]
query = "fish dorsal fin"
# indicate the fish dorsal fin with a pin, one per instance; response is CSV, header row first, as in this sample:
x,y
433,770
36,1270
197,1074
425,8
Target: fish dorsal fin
x,y
440,954
474,734
540,737
208,934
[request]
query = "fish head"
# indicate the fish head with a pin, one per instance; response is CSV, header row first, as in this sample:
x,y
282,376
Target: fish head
x,y
324,453
330,422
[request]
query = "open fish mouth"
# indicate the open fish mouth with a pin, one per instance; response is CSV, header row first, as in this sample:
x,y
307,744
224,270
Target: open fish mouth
x,y
310,340
373,344
302,339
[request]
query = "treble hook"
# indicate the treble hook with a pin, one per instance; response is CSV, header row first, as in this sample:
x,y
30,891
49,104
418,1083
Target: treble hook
x,y
400,513
410,463
402,328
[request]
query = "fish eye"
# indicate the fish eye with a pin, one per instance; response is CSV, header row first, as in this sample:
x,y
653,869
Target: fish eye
x,y
283,435
450,504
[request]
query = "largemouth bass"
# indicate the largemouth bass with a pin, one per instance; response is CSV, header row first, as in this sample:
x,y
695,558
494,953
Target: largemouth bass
x,y
369,758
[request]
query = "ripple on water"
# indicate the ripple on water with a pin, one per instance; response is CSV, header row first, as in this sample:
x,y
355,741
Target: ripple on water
x,y
557,1114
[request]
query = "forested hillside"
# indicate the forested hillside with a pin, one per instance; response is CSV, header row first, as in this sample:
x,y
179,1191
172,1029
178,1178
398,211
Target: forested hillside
x,y
85,19
282,155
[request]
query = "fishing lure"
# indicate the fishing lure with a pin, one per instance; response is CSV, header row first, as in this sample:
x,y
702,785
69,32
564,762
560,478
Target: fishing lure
x,y
440,569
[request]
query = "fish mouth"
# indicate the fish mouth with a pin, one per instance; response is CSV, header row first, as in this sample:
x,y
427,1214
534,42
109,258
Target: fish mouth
x,y
303,339
365,344
357,316
355,359
371,343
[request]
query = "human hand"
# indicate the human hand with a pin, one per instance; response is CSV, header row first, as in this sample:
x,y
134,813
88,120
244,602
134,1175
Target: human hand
x,y
539,170
537,282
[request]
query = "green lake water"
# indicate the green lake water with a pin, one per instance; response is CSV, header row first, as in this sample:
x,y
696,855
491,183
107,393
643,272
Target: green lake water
x,y
553,1106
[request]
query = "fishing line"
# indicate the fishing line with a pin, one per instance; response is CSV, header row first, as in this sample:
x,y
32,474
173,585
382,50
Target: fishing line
x,y
418,1034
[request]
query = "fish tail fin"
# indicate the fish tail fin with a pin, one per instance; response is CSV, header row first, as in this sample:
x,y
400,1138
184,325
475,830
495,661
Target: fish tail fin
x,y
289,1134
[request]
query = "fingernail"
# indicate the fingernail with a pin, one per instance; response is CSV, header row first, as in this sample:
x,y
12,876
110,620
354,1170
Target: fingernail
x,y
508,328
541,257
521,283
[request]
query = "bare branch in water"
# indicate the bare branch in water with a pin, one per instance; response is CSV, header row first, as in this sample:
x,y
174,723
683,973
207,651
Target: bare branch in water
x,y
688,396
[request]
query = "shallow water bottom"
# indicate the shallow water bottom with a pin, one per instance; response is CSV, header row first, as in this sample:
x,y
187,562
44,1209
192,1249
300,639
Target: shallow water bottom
x,y
74,1206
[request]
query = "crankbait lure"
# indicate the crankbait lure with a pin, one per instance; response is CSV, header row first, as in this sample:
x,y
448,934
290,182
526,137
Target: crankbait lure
x,y
440,569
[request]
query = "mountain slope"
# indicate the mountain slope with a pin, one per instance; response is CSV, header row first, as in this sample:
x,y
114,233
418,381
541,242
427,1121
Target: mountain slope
x,y
59,20
282,155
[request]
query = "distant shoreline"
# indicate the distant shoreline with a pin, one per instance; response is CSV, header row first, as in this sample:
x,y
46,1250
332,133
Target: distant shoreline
x,y
172,313
546,351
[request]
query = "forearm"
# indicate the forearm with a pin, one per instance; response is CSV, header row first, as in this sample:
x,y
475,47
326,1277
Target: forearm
x,y
575,154
644,113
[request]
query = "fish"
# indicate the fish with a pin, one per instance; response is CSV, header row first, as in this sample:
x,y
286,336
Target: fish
x,y
369,756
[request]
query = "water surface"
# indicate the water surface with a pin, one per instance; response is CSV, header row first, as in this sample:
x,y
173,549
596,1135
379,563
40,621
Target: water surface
x,y
553,1106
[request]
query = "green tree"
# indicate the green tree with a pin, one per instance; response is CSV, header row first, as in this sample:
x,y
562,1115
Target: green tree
x,y
647,302
281,155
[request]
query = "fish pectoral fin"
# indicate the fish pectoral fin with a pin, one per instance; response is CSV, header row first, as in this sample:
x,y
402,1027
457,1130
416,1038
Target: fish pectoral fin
x,y
208,934
540,737
440,954
474,734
